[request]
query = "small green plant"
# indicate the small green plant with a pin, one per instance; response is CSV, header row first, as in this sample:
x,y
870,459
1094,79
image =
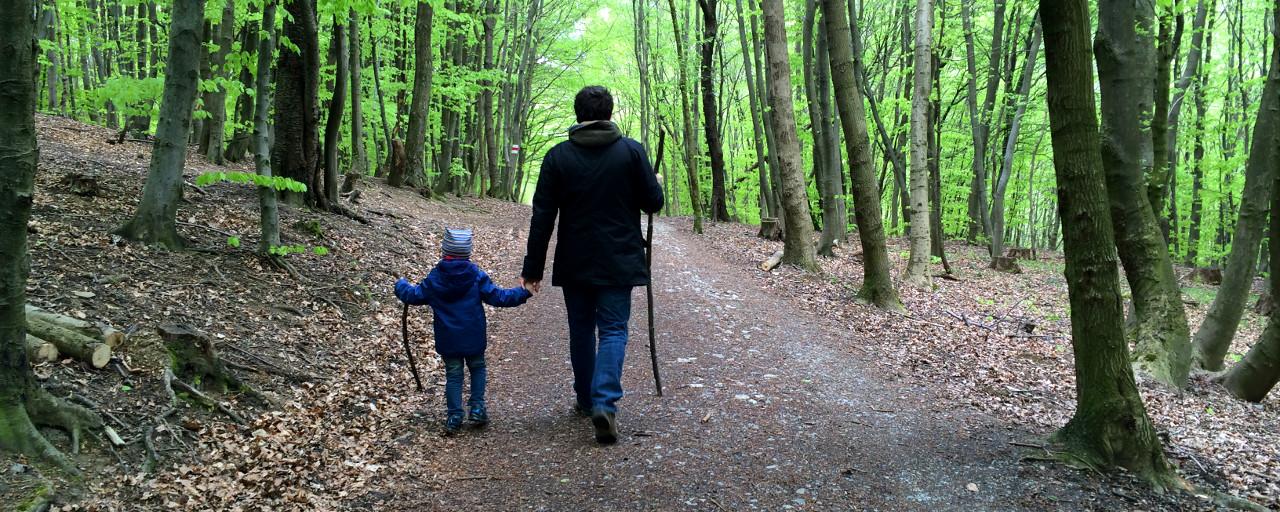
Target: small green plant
x,y
286,250
1234,357
274,182
233,241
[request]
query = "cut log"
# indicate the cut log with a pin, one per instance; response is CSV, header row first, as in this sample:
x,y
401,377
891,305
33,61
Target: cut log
x,y
772,262
41,321
70,341
40,351
1005,264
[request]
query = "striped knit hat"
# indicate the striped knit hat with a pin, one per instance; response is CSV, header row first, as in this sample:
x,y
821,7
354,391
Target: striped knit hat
x,y
457,243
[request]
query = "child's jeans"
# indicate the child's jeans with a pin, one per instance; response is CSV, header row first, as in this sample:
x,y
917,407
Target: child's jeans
x,y
453,382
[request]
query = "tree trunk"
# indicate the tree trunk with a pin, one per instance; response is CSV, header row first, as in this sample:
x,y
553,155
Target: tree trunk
x,y
333,125
767,208
1157,182
1110,425
217,106
1126,59
415,147
242,137
269,214
917,273
686,112
1213,339
1197,154
1161,186
359,159
382,108
489,147
155,221
877,285
835,215
979,120
711,125
1011,144
798,238
295,151
23,404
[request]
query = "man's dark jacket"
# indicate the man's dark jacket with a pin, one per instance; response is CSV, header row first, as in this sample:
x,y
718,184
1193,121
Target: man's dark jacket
x,y
598,182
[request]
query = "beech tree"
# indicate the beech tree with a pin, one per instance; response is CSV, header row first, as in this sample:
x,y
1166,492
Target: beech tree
x,y
917,273
1110,427
155,221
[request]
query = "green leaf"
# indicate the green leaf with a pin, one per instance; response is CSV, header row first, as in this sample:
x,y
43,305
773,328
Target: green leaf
x,y
233,241
320,250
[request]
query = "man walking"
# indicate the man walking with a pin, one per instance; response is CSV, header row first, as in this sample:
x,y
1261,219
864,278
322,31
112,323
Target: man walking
x,y
598,182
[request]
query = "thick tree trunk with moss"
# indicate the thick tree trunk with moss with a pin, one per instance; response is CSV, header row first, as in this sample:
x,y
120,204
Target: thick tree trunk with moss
x,y
23,404
1110,427
1213,339
155,221
877,285
295,148
415,147
1126,61
798,236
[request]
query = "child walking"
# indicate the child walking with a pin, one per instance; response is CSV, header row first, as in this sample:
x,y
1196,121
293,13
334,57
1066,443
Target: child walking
x,y
455,289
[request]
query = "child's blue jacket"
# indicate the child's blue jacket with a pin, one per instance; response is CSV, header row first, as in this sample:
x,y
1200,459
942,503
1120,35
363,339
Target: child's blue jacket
x,y
454,290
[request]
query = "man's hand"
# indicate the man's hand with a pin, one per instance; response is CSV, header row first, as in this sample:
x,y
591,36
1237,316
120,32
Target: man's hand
x,y
531,285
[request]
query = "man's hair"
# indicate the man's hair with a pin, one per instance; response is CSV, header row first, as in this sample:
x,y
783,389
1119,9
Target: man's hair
x,y
593,103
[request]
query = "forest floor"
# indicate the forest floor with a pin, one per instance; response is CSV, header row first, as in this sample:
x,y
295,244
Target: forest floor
x,y
781,391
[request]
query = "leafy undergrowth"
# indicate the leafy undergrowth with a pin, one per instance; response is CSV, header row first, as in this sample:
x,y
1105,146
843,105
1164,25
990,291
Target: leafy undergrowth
x,y
1001,343
325,348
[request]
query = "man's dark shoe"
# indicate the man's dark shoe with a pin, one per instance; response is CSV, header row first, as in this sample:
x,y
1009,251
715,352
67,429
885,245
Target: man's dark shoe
x,y
581,411
606,425
479,416
453,424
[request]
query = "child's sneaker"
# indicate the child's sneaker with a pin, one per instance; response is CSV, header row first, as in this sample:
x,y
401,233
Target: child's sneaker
x,y
453,424
479,416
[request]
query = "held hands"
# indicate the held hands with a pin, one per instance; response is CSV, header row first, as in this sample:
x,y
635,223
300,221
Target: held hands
x,y
533,286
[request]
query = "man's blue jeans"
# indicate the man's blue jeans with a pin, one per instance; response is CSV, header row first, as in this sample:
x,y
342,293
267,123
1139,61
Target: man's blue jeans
x,y
453,382
597,370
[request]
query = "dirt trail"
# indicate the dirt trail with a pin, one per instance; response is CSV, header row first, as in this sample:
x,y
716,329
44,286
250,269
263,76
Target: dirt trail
x,y
759,414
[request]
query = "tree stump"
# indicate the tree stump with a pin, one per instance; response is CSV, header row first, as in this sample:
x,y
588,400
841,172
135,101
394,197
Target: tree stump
x,y
1022,253
194,358
770,229
1005,264
1209,275
80,184
1266,305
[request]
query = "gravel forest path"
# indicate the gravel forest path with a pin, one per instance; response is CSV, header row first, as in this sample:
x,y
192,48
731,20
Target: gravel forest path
x,y
759,414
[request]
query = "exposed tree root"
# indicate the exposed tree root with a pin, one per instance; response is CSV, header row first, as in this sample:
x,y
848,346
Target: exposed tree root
x,y
18,423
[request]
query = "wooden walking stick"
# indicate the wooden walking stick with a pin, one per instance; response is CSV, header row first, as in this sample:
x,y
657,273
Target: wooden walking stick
x,y
648,258
404,334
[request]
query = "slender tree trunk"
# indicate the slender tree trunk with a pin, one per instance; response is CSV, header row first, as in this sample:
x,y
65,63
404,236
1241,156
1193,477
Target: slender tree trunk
x,y
877,285
270,216
1110,425
798,239
242,136
1011,144
767,208
359,159
1157,182
382,106
831,182
690,158
217,106
711,125
295,148
155,221
1165,186
917,273
415,148
333,125
489,147
1126,60
1213,339
1197,153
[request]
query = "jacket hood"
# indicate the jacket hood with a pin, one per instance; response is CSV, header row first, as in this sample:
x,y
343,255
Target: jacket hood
x,y
452,279
594,133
